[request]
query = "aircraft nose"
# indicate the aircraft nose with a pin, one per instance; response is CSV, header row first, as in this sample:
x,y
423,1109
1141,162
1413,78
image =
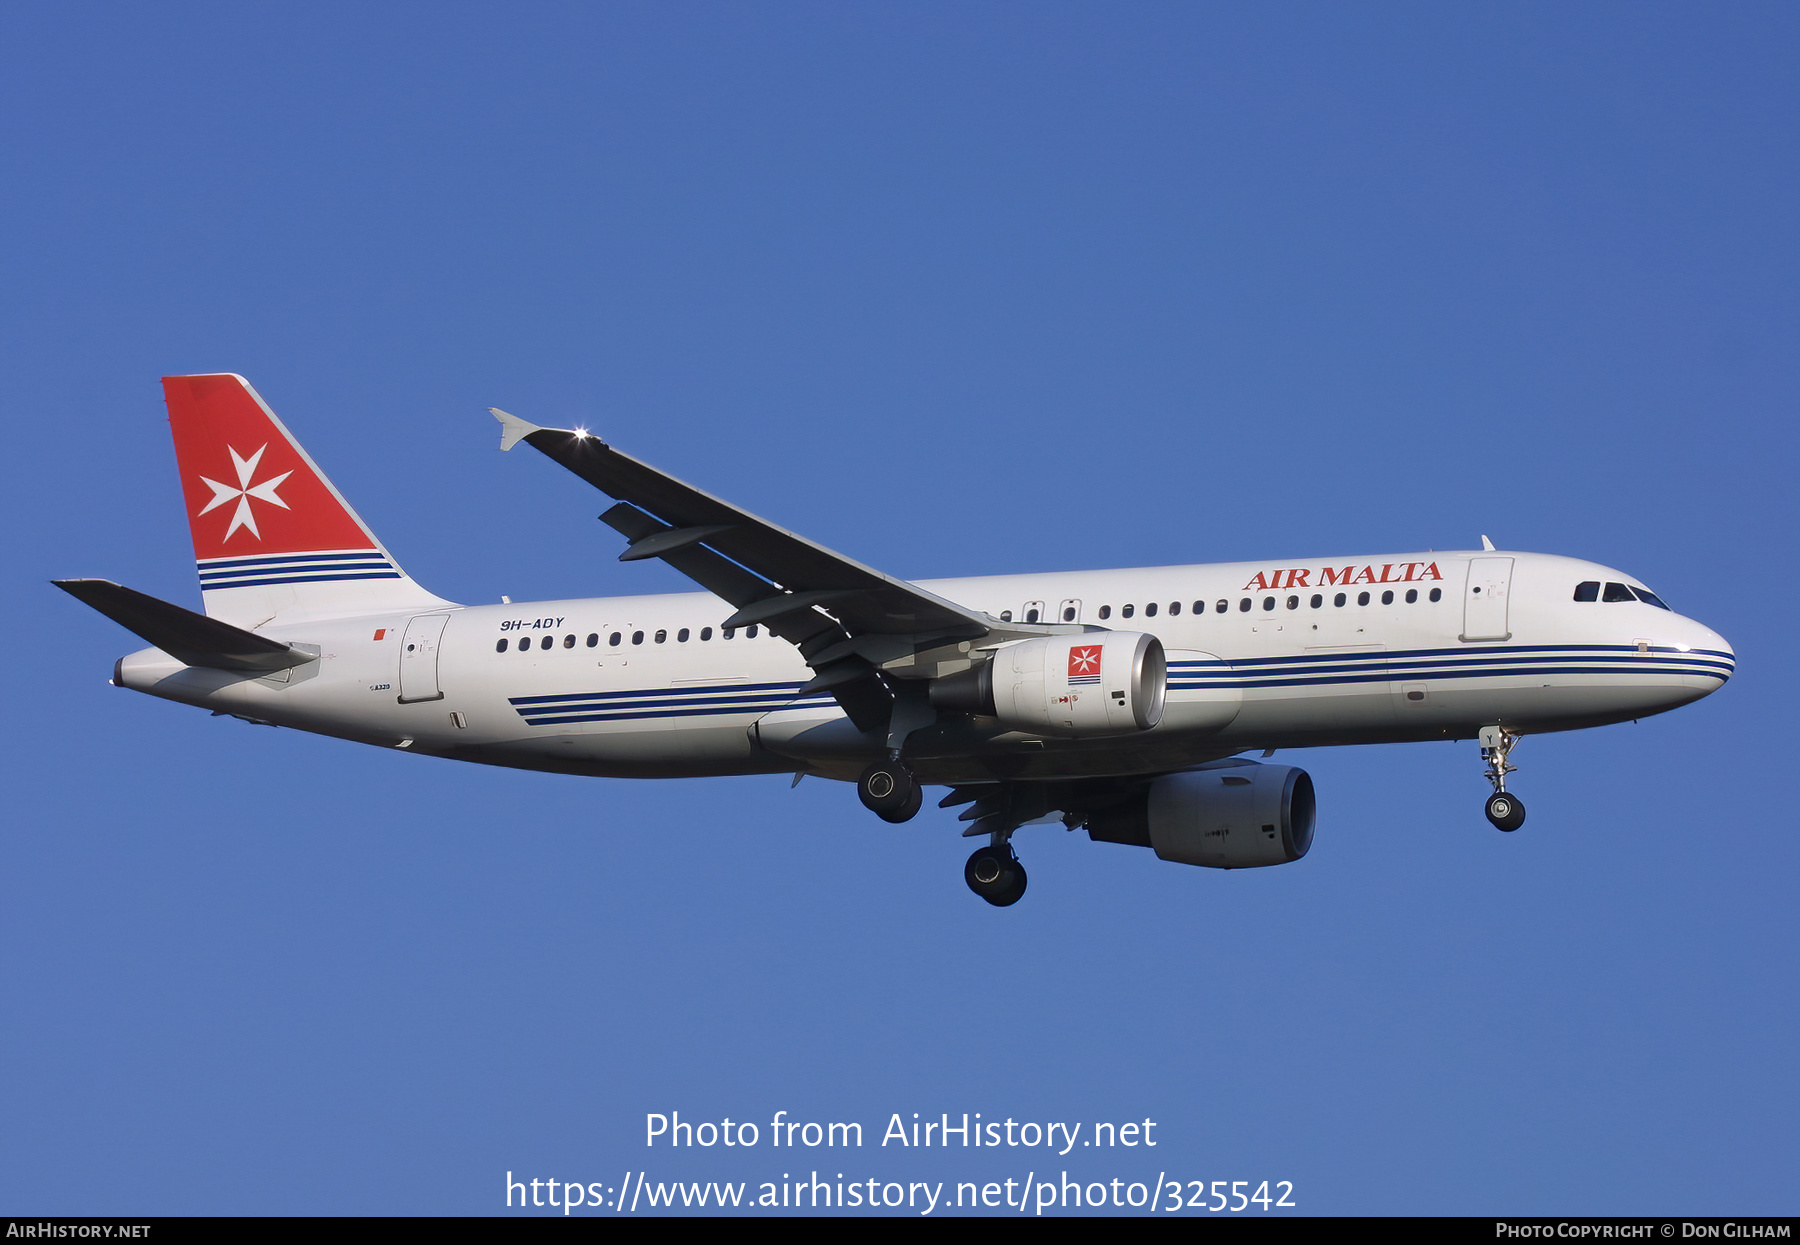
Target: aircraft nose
x,y
1709,658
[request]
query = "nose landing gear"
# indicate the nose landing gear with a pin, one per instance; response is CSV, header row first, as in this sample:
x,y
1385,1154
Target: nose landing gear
x,y
1504,809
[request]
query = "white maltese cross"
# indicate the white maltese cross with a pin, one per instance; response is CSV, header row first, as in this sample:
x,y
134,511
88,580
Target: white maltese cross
x,y
244,516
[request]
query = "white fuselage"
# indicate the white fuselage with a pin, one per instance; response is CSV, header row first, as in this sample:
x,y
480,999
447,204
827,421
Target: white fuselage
x,y
674,696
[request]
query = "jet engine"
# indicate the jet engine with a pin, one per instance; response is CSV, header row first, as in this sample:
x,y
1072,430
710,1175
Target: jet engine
x,y
1099,683
1232,814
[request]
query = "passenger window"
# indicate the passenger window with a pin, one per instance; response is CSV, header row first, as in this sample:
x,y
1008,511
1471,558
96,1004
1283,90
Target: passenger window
x,y
568,641
1317,601
1412,595
1362,598
1174,607
1387,598
706,633
750,632
500,646
1223,606
1105,611
1587,590
1150,610
1199,607
637,637
1268,603
1650,598
614,639
1338,600
547,641
1031,616
1617,592
662,636
1293,603
593,639
1005,616
1244,606
1068,613
727,633
1437,594
681,637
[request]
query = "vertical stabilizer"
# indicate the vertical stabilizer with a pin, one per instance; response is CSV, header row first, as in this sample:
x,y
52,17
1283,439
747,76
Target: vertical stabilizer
x,y
273,539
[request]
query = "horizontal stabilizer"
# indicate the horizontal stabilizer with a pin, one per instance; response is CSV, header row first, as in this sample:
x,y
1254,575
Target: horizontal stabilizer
x,y
184,635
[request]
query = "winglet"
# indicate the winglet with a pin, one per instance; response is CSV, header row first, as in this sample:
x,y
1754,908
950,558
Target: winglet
x,y
512,429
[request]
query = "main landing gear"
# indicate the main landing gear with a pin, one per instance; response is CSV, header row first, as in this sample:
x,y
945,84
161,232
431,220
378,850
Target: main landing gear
x,y
1504,809
994,873
995,810
889,790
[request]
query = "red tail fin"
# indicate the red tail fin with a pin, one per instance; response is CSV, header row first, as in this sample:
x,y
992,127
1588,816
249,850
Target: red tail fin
x,y
272,536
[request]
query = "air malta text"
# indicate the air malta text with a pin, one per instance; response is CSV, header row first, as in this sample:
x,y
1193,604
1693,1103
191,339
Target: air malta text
x,y
1301,577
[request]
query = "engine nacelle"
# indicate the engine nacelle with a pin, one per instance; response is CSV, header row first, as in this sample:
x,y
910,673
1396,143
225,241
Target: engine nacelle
x,y
1227,815
1100,683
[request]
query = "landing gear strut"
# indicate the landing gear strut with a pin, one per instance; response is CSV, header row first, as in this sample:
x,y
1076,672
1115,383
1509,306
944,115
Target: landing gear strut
x,y
1504,809
994,873
889,790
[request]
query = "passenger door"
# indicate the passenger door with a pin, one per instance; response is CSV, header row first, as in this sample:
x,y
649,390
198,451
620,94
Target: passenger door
x,y
1485,599
419,658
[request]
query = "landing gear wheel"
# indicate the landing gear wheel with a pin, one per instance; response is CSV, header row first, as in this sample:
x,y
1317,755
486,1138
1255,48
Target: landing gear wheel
x,y
996,875
908,810
1505,811
888,787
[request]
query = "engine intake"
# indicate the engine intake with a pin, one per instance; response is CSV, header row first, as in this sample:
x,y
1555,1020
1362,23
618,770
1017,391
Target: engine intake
x,y
1100,683
1226,815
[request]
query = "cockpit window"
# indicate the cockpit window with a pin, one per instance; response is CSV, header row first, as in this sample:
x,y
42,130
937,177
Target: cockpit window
x,y
1617,592
1650,598
1587,590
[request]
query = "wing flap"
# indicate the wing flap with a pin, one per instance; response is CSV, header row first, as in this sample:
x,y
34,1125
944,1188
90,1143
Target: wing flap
x,y
858,691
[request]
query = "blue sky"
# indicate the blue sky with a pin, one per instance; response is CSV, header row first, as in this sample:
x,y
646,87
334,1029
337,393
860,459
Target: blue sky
x,y
956,289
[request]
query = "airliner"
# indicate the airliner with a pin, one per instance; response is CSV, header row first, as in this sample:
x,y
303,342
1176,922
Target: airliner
x,y
1119,701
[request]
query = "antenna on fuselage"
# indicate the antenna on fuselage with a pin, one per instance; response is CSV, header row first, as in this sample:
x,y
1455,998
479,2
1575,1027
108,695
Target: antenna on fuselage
x,y
1487,544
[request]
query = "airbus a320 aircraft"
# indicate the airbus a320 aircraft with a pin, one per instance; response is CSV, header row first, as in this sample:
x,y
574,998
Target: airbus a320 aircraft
x,y
1116,700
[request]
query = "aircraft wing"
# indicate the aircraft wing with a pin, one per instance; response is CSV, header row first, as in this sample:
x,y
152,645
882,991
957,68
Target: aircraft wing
x,y
847,618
